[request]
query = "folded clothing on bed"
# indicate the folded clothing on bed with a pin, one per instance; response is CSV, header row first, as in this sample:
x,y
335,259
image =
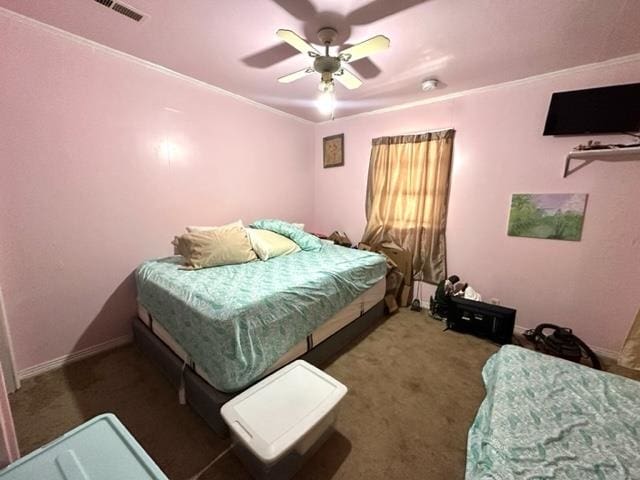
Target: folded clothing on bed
x,y
236,321
544,417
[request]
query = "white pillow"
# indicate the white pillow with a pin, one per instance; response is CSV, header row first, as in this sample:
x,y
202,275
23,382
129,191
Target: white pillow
x,y
268,244
196,228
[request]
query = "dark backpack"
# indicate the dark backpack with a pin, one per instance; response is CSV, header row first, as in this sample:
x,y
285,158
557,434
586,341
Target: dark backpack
x,y
561,343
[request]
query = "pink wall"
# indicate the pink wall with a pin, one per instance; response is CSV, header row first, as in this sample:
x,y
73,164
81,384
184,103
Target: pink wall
x,y
592,285
87,192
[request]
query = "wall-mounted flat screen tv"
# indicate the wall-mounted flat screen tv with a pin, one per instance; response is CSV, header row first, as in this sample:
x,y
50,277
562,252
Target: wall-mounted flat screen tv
x,y
614,109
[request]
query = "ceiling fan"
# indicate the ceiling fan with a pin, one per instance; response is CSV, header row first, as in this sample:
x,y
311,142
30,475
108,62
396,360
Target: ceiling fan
x,y
330,67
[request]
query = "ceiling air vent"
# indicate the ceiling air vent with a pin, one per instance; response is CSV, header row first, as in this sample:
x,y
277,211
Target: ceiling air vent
x,y
122,9
127,11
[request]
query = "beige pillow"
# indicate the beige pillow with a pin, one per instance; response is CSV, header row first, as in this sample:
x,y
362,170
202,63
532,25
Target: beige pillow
x,y
197,228
221,246
268,244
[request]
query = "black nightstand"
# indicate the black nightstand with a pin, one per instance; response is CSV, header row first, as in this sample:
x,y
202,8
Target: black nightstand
x,y
486,320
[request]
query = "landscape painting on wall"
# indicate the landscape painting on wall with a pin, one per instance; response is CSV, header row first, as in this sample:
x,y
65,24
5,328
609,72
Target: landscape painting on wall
x,y
557,216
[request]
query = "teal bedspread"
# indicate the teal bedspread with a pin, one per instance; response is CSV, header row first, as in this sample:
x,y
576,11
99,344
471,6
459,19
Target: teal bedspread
x,y
235,321
547,418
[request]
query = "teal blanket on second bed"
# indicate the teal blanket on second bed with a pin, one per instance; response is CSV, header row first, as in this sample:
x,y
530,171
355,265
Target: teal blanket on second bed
x,y
236,321
547,418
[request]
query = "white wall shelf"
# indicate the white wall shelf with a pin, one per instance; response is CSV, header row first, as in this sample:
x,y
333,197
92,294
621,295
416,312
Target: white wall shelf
x,y
629,153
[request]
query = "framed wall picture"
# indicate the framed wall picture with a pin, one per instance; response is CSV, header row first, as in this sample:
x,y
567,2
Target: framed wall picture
x,y
557,216
333,151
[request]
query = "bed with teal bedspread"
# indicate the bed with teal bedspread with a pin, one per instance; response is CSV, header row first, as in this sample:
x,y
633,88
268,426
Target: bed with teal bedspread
x,y
236,321
547,418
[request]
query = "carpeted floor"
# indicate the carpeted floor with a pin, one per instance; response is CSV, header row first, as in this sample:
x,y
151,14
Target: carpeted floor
x,y
413,393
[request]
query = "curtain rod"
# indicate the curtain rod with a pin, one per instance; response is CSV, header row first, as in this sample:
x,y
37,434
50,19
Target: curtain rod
x,y
419,132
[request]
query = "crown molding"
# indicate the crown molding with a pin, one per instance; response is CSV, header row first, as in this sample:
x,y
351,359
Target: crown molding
x,y
495,86
145,63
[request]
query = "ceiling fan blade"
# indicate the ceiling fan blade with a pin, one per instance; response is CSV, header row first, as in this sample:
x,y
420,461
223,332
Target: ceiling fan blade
x,y
365,68
297,42
292,77
348,79
269,56
364,49
379,9
300,9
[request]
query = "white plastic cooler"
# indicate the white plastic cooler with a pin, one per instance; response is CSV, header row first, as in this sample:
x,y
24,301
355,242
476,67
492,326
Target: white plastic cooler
x,y
100,449
283,419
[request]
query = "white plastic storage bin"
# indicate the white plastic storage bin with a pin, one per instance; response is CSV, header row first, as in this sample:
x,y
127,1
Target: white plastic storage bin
x,y
282,420
100,449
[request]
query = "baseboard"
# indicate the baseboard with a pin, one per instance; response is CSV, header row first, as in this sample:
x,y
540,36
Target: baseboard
x,y
74,357
604,352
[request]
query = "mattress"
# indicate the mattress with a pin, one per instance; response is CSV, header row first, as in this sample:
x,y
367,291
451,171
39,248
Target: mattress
x,y
236,321
344,317
544,417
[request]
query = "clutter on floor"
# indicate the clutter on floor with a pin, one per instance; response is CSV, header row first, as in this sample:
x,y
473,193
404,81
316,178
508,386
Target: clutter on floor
x,y
461,308
399,274
561,342
340,238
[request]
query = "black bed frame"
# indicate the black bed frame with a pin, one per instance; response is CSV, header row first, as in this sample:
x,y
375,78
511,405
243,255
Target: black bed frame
x,y
205,399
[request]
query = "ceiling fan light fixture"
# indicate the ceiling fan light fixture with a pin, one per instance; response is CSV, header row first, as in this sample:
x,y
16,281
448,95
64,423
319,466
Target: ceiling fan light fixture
x,y
326,102
326,86
330,66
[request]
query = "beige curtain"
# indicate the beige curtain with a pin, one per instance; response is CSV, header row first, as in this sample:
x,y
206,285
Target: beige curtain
x,y
630,354
407,196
